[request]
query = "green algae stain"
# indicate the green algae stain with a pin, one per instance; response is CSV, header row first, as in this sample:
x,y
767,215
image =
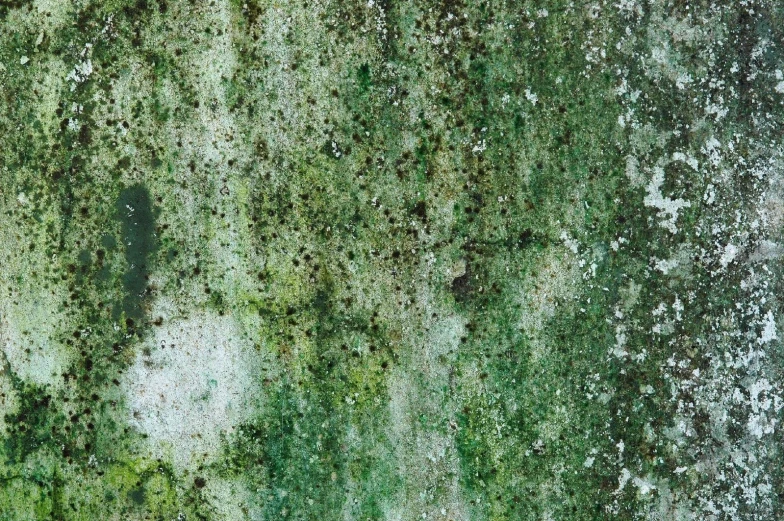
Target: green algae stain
x,y
136,215
32,427
364,78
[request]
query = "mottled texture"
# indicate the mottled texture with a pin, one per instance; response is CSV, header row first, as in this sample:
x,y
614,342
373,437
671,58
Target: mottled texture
x,y
455,260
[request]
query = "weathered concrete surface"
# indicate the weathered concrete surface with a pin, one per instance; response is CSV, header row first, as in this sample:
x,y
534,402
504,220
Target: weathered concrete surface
x,y
391,260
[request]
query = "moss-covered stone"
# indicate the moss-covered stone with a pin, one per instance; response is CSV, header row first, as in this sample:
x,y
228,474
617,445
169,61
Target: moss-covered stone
x,y
384,260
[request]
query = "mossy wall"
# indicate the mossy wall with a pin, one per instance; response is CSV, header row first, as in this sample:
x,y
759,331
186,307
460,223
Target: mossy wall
x,y
459,260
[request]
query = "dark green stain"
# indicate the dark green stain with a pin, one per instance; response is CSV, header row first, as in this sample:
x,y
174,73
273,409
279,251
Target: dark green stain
x,y
363,77
137,495
135,212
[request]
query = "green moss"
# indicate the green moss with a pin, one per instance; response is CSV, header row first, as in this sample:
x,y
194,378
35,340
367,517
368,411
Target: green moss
x,y
32,426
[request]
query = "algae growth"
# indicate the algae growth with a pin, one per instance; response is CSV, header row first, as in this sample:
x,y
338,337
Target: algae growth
x,y
391,260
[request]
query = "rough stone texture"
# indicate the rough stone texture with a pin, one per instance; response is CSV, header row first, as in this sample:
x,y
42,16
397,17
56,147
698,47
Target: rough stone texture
x,y
454,260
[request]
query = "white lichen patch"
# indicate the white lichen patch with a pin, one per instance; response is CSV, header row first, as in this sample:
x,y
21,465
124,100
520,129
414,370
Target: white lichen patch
x,y
728,255
191,381
689,160
768,330
82,70
668,208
